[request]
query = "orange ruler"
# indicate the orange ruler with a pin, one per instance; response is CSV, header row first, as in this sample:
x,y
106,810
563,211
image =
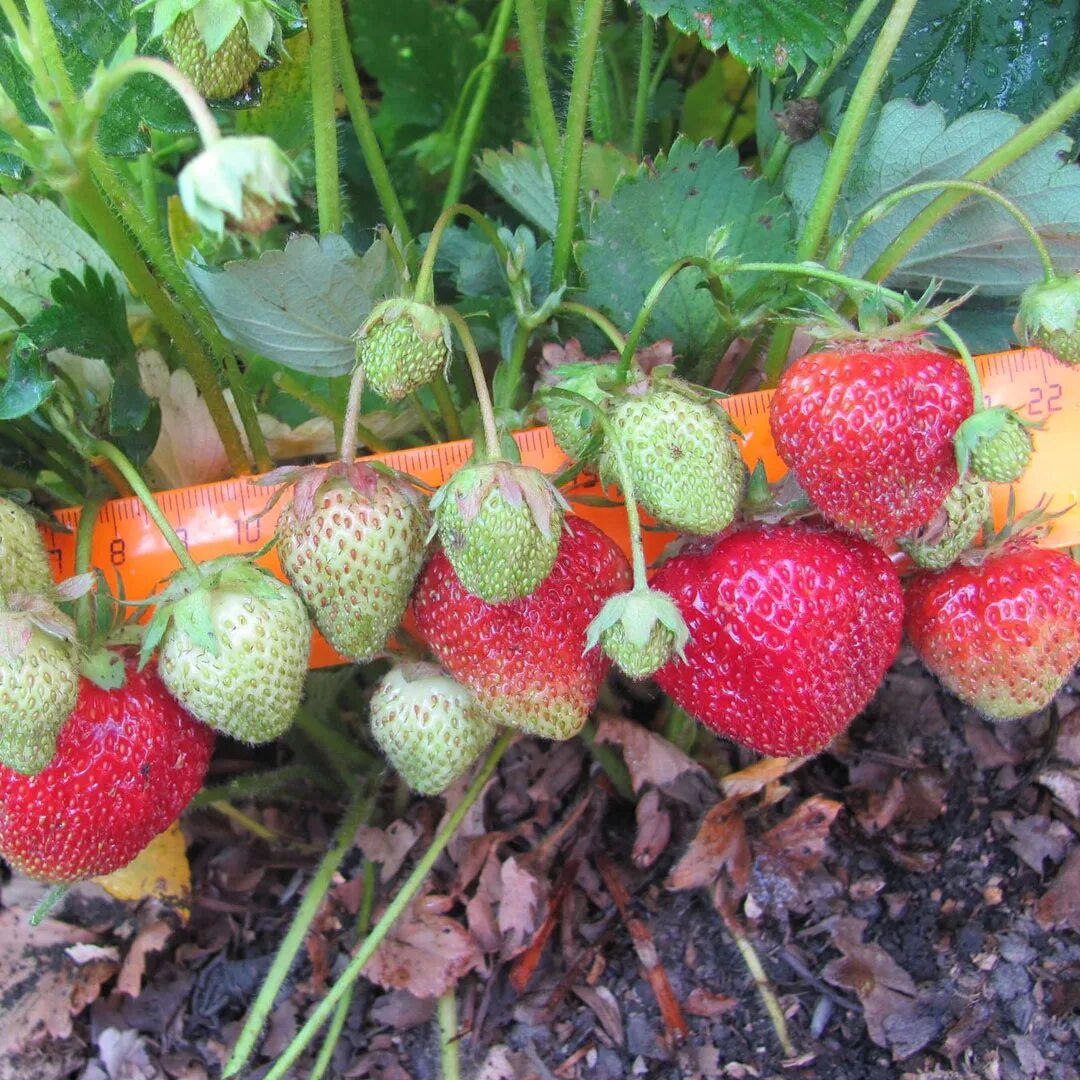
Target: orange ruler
x,y
220,518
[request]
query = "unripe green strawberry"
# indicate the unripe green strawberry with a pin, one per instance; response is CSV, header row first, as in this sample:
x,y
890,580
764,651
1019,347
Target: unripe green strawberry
x,y
222,73
573,424
640,630
686,466
1049,317
402,345
953,527
500,525
352,542
430,727
39,683
24,564
1003,456
234,645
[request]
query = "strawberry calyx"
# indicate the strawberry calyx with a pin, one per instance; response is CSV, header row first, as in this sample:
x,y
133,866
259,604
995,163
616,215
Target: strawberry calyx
x,y
23,614
1049,317
953,528
640,630
216,20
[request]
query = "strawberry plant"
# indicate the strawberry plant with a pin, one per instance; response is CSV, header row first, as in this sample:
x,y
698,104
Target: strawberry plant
x,y
261,238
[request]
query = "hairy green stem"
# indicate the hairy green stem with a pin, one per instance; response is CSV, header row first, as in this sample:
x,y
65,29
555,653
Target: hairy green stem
x,y
819,218
101,448
531,38
106,84
483,397
449,1056
261,785
45,38
149,239
574,143
324,120
362,127
518,348
352,415
662,63
115,237
440,389
341,1014
425,418
816,83
1026,139
601,322
846,241
84,543
463,156
641,97
326,1007
650,302
424,290
357,813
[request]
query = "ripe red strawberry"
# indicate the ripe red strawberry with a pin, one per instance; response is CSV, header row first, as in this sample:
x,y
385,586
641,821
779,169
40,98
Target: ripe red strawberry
x,y
524,659
869,432
1003,634
791,629
127,763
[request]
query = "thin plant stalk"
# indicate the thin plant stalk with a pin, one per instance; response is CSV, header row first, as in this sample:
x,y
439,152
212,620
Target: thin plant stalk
x,y
352,415
518,348
531,38
114,236
601,322
1026,139
396,907
816,83
577,116
839,161
45,39
463,156
363,128
424,290
641,97
358,812
341,1014
324,119
84,543
440,390
449,1056
889,202
483,397
650,302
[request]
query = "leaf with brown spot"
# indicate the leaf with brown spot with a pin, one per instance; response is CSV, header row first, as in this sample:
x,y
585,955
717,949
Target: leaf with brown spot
x,y
520,907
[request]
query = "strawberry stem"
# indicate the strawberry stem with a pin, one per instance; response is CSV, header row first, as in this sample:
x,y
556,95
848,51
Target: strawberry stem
x,y
601,322
424,291
48,902
358,812
483,398
641,96
352,416
356,966
363,128
888,203
110,80
84,542
530,37
324,122
100,448
449,1057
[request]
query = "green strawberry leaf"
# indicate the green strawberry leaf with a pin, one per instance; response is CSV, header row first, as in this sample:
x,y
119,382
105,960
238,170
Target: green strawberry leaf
x,y
521,176
978,54
772,35
27,385
300,306
37,241
977,244
671,208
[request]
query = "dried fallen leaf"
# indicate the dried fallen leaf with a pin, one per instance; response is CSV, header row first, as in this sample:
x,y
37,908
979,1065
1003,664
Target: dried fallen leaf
x,y
602,1002
653,829
758,776
123,1053
1065,785
701,1002
387,847
889,997
720,845
1058,906
1037,838
161,870
425,953
401,1011
649,758
150,937
41,986
520,907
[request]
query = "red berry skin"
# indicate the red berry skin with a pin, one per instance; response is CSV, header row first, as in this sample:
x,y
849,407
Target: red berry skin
x,y
127,763
869,433
525,660
791,629
1002,635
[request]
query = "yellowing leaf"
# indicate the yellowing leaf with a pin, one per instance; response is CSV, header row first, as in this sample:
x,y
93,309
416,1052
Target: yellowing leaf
x,y
160,870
